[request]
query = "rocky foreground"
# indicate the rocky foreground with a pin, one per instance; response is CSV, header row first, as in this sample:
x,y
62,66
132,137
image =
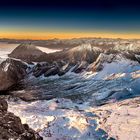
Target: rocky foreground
x,y
12,128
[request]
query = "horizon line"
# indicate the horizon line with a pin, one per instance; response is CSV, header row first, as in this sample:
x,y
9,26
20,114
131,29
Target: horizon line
x,y
56,38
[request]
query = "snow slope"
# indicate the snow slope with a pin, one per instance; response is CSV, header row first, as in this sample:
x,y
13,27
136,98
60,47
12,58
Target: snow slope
x,y
78,119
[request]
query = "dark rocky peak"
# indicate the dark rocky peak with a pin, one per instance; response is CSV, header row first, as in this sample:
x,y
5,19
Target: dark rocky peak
x,y
84,52
11,72
27,52
12,128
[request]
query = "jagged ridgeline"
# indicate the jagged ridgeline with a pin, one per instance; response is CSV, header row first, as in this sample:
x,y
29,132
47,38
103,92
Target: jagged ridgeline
x,y
86,57
54,91
30,53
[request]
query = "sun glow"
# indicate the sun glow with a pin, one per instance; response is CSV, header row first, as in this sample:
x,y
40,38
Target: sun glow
x,y
64,35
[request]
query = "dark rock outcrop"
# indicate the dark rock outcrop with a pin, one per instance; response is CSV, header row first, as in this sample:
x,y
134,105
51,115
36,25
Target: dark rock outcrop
x,y
80,67
64,69
11,72
12,128
98,64
47,69
39,69
84,52
137,58
52,71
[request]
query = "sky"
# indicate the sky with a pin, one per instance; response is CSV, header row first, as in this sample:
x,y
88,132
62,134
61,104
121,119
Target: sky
x,y
69,19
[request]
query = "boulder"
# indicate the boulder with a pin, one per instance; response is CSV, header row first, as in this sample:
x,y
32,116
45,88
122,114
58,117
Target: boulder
x,y
12,128
11,72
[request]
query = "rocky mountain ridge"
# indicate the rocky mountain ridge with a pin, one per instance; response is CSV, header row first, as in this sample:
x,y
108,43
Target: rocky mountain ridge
x,y
12,128
70,93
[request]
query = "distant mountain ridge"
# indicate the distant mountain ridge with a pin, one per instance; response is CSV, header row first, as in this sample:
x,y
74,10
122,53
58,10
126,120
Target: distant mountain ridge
x,y
69,43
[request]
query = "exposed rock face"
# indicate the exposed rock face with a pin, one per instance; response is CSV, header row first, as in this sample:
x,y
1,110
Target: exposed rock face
x,y
40,69
80,67
46,69
138,58
83,57
133,47
64,69
84,52
58,68
30,53
11,72
3,105
12,128
109,58
27,52
98,64
52,71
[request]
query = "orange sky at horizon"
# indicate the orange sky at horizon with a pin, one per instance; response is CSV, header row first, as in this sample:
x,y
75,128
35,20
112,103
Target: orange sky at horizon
x,y
64,35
